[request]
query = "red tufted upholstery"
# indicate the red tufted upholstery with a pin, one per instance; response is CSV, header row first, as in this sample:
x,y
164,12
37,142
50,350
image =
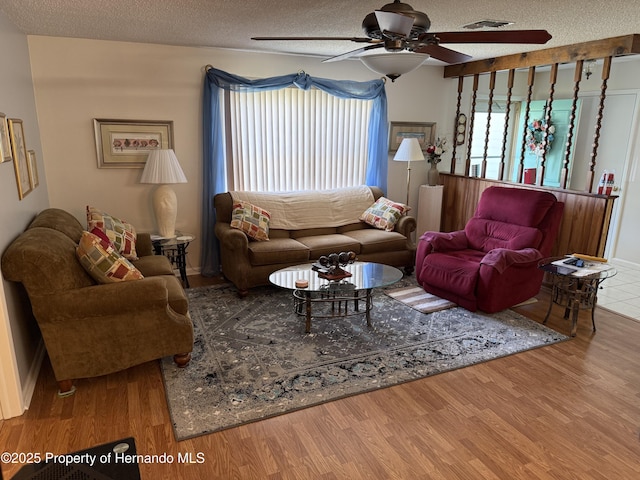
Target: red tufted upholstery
x,y
492,264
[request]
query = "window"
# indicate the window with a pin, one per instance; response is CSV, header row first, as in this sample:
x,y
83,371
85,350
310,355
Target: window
x,y
495,138
292,139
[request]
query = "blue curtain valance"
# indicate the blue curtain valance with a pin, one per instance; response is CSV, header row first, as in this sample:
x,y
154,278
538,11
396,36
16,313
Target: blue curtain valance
x,y
214,172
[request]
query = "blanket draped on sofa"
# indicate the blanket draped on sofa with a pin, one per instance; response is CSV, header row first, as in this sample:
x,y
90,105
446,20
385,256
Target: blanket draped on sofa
x,y
299,210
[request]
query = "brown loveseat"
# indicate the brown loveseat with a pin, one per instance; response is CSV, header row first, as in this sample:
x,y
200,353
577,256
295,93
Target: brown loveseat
x,y
333,227
92,329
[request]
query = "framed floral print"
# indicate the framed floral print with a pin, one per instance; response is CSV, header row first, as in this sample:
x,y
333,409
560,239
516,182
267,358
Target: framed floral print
x,y
21,161
33,169
127,143
5,143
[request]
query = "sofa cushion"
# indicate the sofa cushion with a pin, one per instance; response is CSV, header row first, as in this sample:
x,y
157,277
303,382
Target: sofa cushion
x,y
372,240
121,233
277,250
61,221
251,219
519,206
485,235
454,271
153,265
319,245
45,261
384,214
102,262
313,232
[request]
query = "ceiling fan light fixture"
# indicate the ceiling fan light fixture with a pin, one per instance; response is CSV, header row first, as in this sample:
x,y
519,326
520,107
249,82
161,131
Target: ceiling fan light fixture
x,y
393,65
421,22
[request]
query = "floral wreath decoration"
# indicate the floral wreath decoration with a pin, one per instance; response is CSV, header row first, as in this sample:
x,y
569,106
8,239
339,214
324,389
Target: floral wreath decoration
x,y
435,150
535,136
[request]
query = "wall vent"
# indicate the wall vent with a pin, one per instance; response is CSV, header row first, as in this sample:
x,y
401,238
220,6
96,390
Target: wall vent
x,y
487,24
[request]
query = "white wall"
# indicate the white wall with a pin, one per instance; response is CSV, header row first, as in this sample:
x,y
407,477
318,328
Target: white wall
x,y
19,336
617,145
78,80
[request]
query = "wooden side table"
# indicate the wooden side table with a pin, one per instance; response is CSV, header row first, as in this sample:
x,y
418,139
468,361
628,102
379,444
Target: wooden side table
x,y
175,249
575,288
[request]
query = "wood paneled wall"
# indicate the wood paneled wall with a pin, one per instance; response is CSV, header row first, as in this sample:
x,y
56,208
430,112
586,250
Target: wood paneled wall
x,y
585,222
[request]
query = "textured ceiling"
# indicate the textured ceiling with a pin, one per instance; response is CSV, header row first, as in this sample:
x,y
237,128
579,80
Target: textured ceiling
x,y
231,24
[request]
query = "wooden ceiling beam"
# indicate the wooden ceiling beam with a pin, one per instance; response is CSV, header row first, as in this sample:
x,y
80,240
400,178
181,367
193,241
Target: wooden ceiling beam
x,y
608,47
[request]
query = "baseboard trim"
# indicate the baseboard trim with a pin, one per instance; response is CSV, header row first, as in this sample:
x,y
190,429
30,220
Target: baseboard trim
x,y
32,377
193,271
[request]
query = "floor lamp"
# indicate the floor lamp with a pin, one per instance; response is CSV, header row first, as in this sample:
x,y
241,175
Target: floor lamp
x,y
408,151
162,168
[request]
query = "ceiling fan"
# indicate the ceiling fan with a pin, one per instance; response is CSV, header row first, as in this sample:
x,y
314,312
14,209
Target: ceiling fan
x,y
397,27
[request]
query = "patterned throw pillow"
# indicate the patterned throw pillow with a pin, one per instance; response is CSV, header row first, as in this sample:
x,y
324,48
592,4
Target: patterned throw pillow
x,y
121,234
384,214
252,220
102,262
102,236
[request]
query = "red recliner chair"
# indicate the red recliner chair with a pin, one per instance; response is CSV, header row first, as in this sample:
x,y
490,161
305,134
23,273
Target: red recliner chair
x,y
493,263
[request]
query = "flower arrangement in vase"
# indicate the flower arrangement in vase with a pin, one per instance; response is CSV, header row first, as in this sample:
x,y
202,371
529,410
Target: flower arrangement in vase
x,y
435,150
434,154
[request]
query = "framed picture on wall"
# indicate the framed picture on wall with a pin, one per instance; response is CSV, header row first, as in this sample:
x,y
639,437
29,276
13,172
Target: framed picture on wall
x,y
424,132
33,169
127,143
5,143
19,151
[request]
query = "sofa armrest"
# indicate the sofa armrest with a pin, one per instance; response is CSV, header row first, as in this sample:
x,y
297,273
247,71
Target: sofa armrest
x,y
102,300
444,241
144,247
405,225
502,258
231,238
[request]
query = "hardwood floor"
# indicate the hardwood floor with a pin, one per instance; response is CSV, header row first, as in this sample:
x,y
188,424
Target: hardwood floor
x,y
565,411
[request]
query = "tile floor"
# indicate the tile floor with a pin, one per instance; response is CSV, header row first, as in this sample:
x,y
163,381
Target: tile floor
x,y
621,293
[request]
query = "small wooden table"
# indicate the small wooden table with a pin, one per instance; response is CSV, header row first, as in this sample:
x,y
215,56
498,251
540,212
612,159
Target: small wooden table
x,y
575,288
335,295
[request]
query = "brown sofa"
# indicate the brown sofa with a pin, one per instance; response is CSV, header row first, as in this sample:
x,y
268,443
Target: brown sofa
x,y
248,263
92,329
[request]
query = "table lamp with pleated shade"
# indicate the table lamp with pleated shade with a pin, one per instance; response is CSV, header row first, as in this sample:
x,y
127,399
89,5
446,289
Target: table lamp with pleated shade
x,y
163,169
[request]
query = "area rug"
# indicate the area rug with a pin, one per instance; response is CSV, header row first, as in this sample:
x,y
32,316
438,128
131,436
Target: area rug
x,y
417,298
252,359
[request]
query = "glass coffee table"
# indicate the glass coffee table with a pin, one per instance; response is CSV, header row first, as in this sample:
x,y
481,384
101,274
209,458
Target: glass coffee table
x,y
324,298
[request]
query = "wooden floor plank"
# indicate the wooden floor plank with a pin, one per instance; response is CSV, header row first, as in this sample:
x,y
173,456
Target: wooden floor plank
x,y
569,410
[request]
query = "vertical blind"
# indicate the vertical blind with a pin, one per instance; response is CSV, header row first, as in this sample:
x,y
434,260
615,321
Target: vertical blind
x,y
293,139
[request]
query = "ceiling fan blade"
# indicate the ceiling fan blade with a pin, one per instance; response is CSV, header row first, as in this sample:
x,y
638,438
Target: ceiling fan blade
x,y
443,54
502,36
394,23
352,53
348,39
